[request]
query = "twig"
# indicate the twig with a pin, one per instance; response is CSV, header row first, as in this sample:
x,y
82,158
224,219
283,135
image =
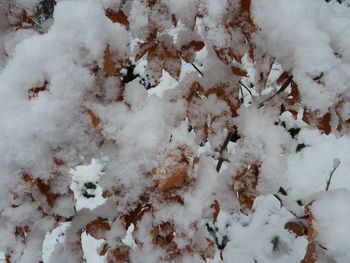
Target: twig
x,y
336,163
193,65
200,72
240,82
242,99
223,148
283,88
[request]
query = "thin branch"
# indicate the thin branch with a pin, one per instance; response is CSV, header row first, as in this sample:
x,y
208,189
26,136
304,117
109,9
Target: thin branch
x,y
240,82
200,72
242,99
223,148
193,65
283,88
336,164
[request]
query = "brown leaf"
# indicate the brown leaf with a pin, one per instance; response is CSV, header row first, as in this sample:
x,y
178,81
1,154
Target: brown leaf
x,y
228,55
310,255
163,236
296,227
34,92
245,183
283,77
104,249
163,55
324,123
216,207
120,254
117,17
172,167
152,2
97,228
22,231
294,96
176,178
188,51
174,20
239,72
108,64
95,120
136,214
23,21
45,189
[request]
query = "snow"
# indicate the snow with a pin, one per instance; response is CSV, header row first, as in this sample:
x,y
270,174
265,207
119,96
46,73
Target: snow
x,y
128,240
85,135
261,236
331,210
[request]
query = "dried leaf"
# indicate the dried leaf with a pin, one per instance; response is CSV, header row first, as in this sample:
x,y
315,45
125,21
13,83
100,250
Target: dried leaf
x,y
136,214
245,183
117,17
22,231
34,92
95,120
174,20
216,207
324,123
104,249
296,227
188,51
283,77
44,188
239,72
108,64
163,55
228,55
120,254
172,167
97,228
176,178
310,255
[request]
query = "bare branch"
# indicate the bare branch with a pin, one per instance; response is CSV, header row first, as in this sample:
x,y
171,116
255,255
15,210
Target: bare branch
x,y
222,150
240,82
336,163
283,88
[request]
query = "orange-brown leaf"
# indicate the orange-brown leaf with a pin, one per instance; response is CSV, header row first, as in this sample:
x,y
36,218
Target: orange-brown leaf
x,y
163,55
296,227
172,167
103,249
324,123
45,189
228,55
310,255
239,72
176,178
188,51
95,120
283,77
117,17
246,182
216,207
97,228
108,64
136,214
120,254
